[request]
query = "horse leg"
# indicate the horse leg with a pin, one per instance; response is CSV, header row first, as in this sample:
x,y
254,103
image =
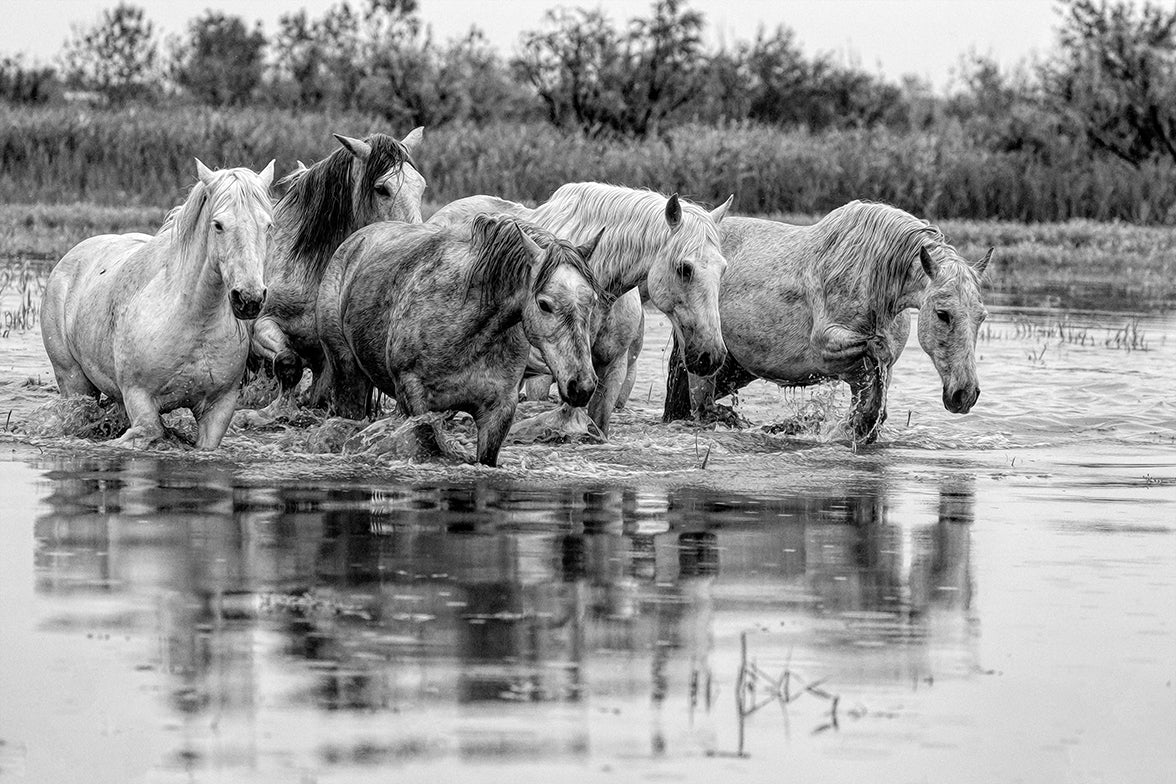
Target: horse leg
x,y
689,396
631,372
608,391
677,405
146,426
898,333
411,399
867,409
72,380
271,345
213,420
344,390
493,425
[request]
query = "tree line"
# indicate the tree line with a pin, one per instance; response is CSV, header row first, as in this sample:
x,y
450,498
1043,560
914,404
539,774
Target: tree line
x,y
1109,82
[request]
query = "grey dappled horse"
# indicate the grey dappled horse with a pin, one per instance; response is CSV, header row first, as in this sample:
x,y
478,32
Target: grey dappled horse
x,y
362,182
154,321
801,304
665,248
444,317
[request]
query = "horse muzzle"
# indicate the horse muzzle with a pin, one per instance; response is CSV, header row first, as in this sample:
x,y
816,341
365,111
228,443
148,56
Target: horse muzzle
x,y
961,400
578,392
246,304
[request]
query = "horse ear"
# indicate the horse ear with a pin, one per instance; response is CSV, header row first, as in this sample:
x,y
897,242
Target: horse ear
x,y
589,247
930,265
718,212
673,212
357,147
299,166
983,263
413,139
530,244
203,172
267,175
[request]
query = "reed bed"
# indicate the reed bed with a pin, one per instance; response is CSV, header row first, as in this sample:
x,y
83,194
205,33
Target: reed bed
x,y
144,157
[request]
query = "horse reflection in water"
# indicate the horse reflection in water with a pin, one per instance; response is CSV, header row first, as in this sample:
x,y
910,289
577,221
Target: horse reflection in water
x,y
563,624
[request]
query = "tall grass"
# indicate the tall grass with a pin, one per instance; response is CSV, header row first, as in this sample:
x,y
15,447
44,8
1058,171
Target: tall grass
x,y
136,156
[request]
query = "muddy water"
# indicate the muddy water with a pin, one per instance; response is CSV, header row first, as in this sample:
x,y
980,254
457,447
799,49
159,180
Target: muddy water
x,y
986,598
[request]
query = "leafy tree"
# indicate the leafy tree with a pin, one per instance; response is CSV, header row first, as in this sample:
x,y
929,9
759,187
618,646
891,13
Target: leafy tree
x,y
115,57
604,81
221,61
1114,76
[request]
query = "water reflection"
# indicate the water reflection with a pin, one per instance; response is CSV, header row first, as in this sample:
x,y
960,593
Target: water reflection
x,y
489,621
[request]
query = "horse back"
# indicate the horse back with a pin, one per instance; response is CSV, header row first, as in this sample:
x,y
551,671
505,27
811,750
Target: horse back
x,y
463,210
91,272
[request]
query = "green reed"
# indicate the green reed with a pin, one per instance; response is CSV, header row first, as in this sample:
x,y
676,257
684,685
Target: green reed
x,y
136,156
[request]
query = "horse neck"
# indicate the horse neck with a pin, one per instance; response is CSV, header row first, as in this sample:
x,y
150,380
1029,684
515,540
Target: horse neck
x,y
278,262
194,283
622,258
282,267
494,318
912,294
617,268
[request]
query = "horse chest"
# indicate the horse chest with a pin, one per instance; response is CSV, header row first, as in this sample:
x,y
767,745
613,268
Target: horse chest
x,y
182,366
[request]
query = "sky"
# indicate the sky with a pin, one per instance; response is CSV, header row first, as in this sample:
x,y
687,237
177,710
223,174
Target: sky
x,y
893,38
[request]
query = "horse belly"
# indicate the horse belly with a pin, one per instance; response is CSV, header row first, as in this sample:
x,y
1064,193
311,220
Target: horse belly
x,y
770,337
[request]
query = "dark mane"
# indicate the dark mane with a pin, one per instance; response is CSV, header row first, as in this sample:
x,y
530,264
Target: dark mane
x,y
319,203
502,264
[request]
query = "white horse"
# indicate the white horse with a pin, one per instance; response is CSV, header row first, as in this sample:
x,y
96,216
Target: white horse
x,y
805,303
155,322
665,248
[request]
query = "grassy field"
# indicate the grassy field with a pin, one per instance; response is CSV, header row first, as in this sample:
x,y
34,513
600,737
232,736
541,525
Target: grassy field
x,y
65,154
1074,264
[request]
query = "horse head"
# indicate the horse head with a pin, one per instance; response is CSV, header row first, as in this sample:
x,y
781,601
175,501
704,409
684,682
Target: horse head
x,y
684,283
557,316
385,181
950,314
239,217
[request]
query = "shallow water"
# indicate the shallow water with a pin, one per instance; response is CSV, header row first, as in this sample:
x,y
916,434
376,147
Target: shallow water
x,y
987,598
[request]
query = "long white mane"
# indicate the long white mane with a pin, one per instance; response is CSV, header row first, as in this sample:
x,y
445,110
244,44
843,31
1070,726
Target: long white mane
x,y
635,227
876,247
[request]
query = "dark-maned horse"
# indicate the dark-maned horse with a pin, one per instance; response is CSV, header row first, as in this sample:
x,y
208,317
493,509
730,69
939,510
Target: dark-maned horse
x,y
362,182
444,317
800,304
666,248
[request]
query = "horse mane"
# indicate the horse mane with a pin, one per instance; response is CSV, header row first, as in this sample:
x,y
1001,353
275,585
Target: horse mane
x,y
876,245
502,261
186,224
636,225
319,202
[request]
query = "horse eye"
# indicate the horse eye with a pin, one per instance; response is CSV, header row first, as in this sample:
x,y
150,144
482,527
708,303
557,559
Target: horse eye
x,y
382,190
218,225
686,272
944,316
545,306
